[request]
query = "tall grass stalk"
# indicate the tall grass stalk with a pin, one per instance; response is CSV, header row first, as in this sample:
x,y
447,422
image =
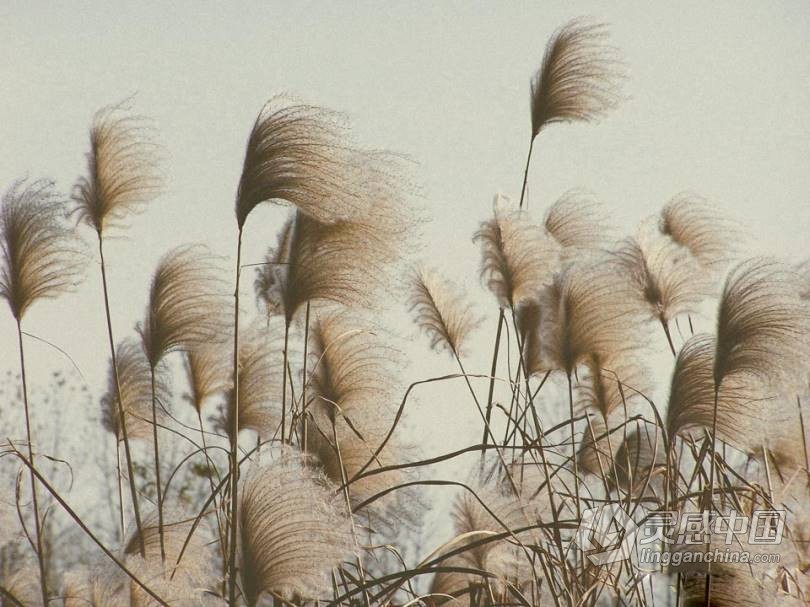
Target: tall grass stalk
x,y
43,579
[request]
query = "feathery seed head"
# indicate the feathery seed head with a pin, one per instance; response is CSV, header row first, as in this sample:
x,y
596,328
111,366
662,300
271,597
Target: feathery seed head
x,y
517,258
578,80
342,263
666,278
589,314
122,169
187,303
294,529
762,323
39,254
702,229
208,372
441,310
301,155
577,222
260,381
135,381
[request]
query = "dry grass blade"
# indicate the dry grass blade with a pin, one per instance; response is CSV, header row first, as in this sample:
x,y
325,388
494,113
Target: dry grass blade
x,y
666,278
294,530
578,79
122,169
693,223
517,259
441,311
38,250
762,323
186,303
208,373
134,376
300,155
576,221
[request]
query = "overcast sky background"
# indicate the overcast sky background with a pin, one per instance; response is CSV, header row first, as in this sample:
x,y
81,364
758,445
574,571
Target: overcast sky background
x,y
717,98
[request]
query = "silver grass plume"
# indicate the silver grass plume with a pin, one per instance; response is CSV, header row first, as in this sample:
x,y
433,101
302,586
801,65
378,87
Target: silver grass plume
x,y
351,365
612,382
353,388
98,587
587,315
666,278
343,263
293,530
609,385
122,169
186,303
708,234
175,527
578,79
441,310
179,584
260,380
736,586
517,258
24,586
641,451
472,522
597,453
208,373
134,376
300,155
268,285
744,406
39,256
577,222
762,323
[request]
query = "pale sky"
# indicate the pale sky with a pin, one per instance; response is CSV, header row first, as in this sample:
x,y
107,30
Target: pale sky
x,y
717,97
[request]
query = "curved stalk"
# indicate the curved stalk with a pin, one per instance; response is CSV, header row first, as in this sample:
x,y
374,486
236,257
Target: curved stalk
x,y
526,174
305,422
210,464
710,501
234,463
284,384
121,413
43,582
120,489
493,370
157,466
669,336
